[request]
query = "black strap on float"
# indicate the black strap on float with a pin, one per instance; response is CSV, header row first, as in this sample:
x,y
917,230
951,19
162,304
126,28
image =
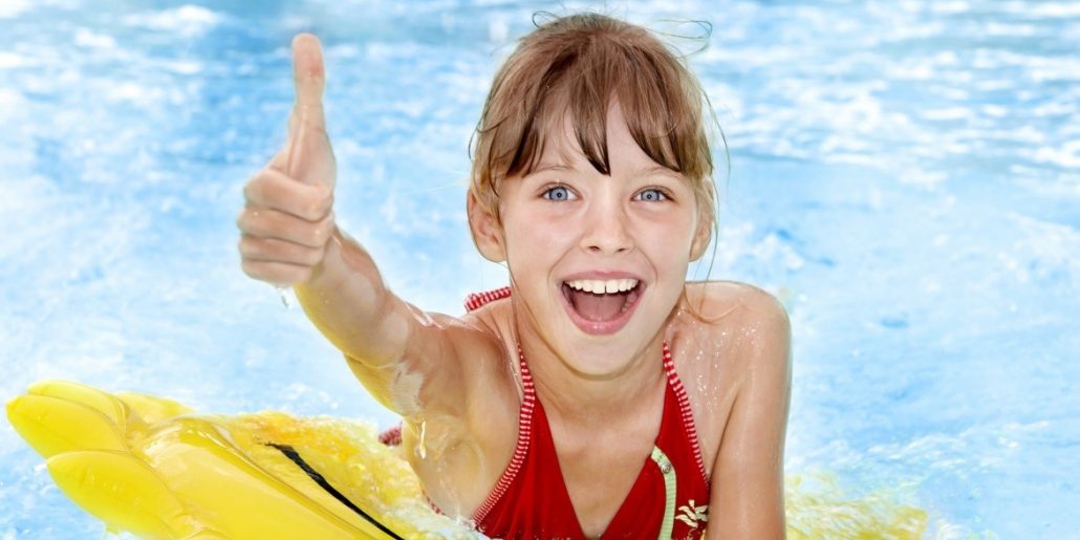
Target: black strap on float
x,y
294,456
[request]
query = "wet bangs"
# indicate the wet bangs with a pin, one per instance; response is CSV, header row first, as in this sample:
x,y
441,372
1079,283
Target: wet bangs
x,y
662,111
574,70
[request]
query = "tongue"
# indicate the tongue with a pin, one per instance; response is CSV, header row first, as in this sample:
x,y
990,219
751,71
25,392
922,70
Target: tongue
x,y
598,307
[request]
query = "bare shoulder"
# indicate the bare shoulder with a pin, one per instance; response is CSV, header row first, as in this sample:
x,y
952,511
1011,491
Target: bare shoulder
x,y
494,318
489,356
725,306
730,326
450,367
485,343
731,343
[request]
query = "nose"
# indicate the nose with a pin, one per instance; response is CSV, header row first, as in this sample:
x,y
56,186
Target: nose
x,y
606,229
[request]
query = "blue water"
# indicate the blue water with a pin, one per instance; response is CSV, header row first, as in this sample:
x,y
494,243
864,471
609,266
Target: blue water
x,y
905,175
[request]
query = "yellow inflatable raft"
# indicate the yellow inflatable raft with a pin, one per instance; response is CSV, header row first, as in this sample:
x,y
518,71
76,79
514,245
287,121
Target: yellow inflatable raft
x,y
150,466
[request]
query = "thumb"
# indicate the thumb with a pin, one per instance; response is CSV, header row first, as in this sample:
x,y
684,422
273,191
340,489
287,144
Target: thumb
x,y
309,77
308,156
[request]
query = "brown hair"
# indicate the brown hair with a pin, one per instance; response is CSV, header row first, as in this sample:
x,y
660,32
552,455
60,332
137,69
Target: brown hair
x,y
573,67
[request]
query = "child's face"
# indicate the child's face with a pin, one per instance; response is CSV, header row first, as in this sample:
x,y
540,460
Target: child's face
x,y
569,232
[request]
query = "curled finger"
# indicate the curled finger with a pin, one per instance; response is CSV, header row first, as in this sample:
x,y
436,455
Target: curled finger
x,y
274,250
273,189
277,273
267,223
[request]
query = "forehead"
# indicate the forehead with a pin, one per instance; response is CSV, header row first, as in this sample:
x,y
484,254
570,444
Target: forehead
x,y
564,146
549,104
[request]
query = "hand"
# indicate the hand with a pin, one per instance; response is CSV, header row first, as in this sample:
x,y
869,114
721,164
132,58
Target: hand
x,y
288,219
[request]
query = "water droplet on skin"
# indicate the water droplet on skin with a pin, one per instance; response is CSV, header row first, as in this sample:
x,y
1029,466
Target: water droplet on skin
x,y
282,292
421,450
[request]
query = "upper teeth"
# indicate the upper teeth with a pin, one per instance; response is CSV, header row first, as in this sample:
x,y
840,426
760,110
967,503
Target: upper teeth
x,y
600,286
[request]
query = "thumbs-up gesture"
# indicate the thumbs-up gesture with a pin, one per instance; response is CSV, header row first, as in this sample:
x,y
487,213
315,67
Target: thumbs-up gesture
x,y
288,219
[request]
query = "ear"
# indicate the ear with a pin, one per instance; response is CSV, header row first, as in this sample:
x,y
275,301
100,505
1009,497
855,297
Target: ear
x,y
486,230
701,239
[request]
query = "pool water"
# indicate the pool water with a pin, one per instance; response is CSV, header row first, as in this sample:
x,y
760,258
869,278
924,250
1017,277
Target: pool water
x,y
905,176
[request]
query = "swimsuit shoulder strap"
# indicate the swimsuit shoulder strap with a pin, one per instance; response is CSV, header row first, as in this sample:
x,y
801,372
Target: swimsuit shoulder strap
x,y
521,449
525,413
476,300
685,412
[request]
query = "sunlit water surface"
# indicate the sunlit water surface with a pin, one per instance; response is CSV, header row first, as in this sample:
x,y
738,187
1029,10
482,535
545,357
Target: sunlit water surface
x,y
904,175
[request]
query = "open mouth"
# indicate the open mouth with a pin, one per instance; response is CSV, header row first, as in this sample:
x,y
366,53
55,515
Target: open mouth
x,y
601,300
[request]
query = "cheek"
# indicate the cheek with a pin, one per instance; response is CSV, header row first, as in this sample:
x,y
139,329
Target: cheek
x,y
529,249
532,237
673,236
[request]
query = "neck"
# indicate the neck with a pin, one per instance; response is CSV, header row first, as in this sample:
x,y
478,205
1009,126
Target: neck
x,y
586,399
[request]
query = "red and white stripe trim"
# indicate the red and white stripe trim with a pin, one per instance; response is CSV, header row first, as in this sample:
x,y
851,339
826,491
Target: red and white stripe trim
x,y
525,415
684,408
475,300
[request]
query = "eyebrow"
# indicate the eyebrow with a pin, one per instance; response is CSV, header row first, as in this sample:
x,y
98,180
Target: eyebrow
x,y
550,167
546,168
649,170
561,158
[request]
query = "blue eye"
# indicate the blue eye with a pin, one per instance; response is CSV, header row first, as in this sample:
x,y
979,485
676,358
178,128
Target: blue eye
x,y
652,195
557,193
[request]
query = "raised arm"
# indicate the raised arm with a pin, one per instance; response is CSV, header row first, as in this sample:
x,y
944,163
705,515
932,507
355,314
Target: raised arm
x,y
289,238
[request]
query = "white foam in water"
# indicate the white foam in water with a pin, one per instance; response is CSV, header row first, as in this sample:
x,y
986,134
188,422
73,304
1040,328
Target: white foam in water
x,y
904,176
186,20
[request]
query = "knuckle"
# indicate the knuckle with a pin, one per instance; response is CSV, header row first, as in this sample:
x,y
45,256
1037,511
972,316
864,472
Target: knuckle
x,y
249,247
252,269
319,203
248,221
253,189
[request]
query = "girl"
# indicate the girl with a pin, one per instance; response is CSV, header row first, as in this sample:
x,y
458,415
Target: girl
x,y
600,395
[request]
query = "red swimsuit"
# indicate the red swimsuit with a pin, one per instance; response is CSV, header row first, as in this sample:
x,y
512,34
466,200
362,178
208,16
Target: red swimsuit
x,y
669,499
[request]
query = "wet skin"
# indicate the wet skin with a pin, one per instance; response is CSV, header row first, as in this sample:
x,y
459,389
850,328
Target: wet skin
x,y
597,368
